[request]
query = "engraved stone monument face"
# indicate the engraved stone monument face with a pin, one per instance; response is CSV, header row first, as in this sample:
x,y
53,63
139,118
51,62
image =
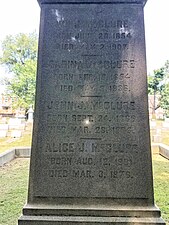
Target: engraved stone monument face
x,y
91,160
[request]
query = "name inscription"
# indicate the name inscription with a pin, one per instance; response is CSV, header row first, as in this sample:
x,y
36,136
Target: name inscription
x,y
90,122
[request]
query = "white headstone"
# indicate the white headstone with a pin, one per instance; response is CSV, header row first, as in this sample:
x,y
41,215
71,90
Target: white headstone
x,y
153,124
14,121
16,134
165,124
30,114
3,133
3,126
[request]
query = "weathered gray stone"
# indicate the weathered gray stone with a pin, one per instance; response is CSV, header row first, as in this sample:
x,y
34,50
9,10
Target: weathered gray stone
x,y
21,152
7,156
164,150
91,157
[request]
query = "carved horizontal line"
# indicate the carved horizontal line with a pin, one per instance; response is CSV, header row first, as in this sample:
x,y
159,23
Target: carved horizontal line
x,y
92,2
92,138
91,96
92,55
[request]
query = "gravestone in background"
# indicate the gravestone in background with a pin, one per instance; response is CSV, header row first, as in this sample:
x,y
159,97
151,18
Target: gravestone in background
x,y
91,160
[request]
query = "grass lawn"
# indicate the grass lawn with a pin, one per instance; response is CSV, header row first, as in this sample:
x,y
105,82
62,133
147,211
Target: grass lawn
x,y
161,185
8,142
13,188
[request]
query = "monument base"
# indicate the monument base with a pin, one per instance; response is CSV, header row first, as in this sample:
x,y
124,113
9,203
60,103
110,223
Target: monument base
x,y
52,215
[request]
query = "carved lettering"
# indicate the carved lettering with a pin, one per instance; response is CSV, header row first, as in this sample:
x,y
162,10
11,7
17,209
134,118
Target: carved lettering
x,y
63,161
89,64
72,148
82,174
92,105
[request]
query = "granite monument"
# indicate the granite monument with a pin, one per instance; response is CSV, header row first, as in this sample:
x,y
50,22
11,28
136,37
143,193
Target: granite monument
x,y
91,158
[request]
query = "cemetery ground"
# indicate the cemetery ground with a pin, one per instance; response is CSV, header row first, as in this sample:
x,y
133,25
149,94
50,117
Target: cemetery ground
x,y
8,142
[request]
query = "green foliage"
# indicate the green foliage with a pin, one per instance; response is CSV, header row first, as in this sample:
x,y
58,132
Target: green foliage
x,y
22,86
19,54
159,84
166,68
18,49
165,99
154,81
150,85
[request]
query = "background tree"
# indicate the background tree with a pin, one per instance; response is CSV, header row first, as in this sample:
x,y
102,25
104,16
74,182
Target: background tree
x,y
164,100
155,80
19,55
154,85
158,83
166,69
